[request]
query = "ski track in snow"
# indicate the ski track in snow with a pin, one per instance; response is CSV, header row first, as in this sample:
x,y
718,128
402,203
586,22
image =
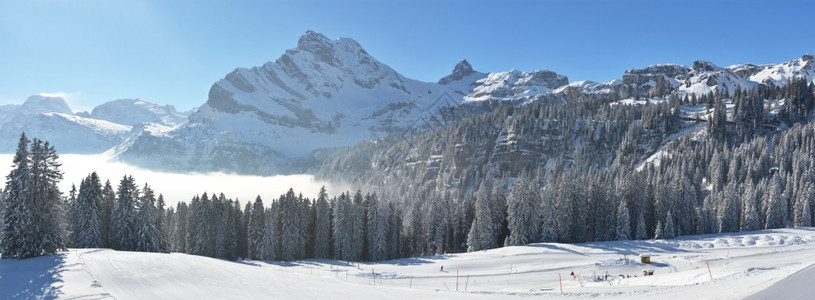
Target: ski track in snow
x,y
741,264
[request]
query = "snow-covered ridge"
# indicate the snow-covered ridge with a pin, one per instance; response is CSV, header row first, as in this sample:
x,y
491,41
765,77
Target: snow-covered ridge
x,y
705,77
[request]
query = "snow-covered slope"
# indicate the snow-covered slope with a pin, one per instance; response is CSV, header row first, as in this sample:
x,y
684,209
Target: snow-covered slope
x,y
779,74
740,264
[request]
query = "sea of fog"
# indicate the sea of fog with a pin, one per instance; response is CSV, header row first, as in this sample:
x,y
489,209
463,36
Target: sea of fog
x,y
178,187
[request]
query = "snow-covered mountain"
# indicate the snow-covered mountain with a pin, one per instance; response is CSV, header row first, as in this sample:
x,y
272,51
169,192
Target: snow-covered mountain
x,y
326,93
705,77
50,118
322,94
133,112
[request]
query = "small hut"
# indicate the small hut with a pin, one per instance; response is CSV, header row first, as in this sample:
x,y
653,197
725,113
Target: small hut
x,y
647,272
645,258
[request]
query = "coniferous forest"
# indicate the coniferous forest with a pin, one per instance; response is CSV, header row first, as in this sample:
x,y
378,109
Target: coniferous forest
x,y
568,168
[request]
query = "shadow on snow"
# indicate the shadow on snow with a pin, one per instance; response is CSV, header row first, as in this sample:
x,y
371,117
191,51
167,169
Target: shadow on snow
x,y
32,278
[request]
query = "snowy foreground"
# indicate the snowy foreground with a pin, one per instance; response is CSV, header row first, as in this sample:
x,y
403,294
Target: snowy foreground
x,y
741,264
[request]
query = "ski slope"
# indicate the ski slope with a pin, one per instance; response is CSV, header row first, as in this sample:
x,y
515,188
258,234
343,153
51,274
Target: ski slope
x,y
741,264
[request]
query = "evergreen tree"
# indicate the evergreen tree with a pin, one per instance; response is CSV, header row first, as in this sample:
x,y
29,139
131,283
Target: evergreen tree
x,y
322,227
254,232
377,229
623,222
106,214
642,232
670,229
32,210
806,215
124,215
45,196
148,236
180,238
776,205
88,228
18,239
522,215
291,238
268,241
548,216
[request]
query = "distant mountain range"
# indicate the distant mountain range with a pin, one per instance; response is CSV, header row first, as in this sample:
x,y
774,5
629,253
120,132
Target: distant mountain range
x,y
284,116
51,119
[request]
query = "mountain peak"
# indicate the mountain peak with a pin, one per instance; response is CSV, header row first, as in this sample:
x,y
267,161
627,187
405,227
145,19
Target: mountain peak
x,y
461,70
314,42
704,65
45,103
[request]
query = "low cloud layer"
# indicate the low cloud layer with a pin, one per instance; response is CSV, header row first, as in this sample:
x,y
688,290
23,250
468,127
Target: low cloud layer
x,y
182,187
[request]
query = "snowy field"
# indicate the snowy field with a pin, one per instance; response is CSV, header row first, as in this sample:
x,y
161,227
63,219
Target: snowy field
x,y
741,264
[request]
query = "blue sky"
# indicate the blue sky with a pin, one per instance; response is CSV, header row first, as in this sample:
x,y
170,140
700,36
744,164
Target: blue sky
x,y
170,52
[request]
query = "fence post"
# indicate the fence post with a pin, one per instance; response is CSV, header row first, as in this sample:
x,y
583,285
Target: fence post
x,y
560,279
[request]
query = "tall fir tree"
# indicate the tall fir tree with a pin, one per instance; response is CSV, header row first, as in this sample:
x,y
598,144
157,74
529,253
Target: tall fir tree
x,y
256,226
88,228
322,227
124,218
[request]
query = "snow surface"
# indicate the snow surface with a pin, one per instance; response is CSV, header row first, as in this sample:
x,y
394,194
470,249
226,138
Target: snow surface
x,y
740,264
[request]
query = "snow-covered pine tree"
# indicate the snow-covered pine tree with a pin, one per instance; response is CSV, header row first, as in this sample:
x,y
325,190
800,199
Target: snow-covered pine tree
x,y
255,228
642,232
290,223
623,221
106,213
750,220
243,237
522,215
233,224
806,215
776,204
88,228
357,227
124,216
548,213
268,243
148,235
18,240
435,224
728,210
802,205
161,225
564,209
45,174
180,236
343,229
71,218
670,229
322,226
658,231
483,230
377,229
